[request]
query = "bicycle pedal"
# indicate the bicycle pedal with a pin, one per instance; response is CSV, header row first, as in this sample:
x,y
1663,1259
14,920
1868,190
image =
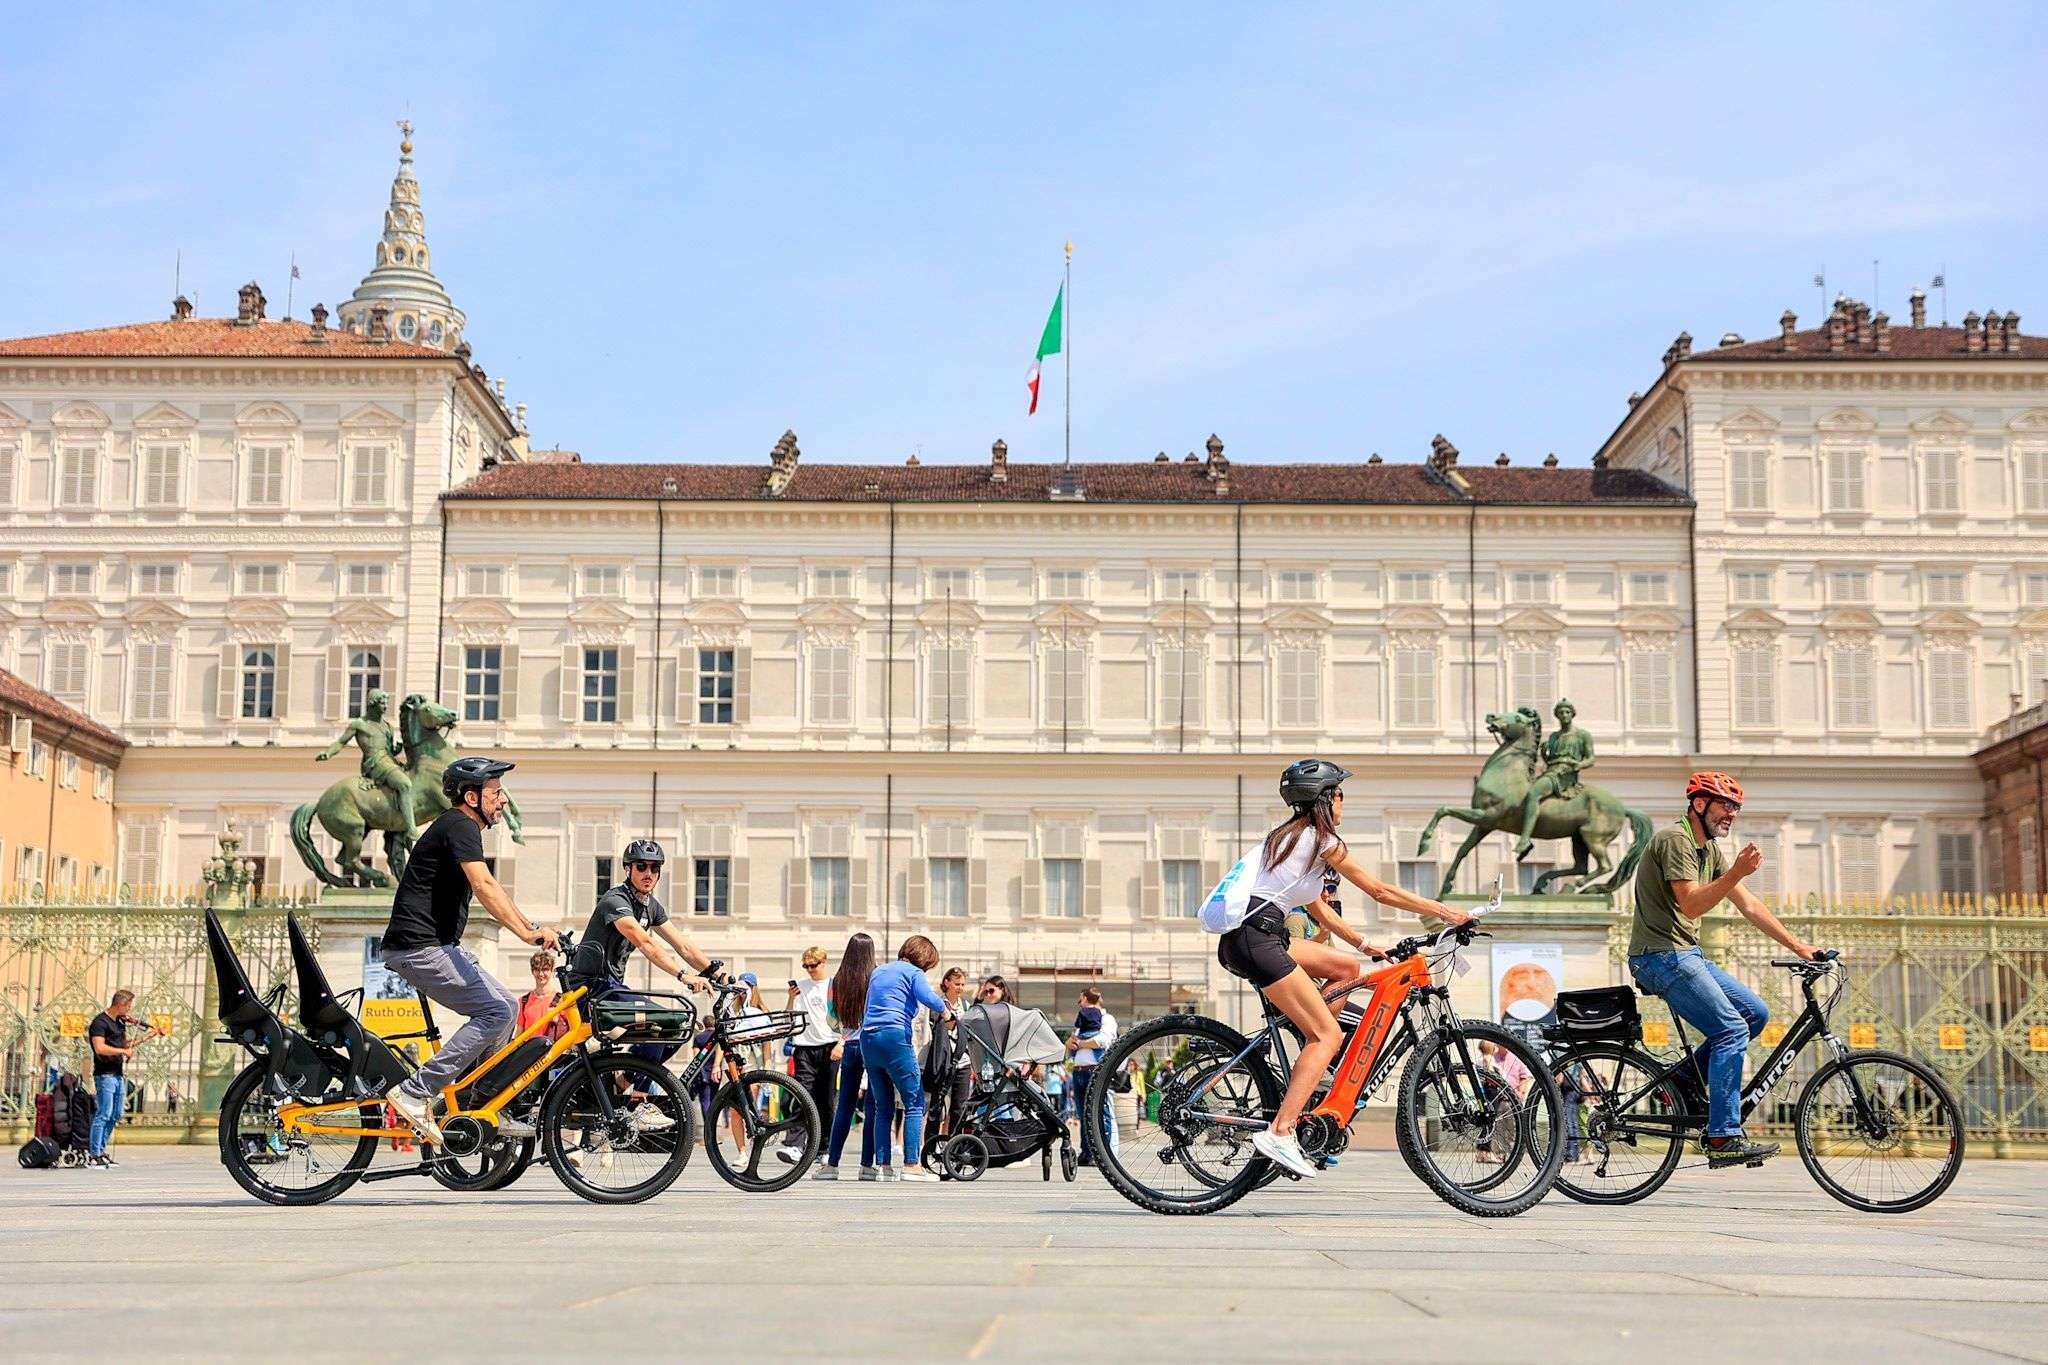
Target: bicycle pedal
x,y
1753,1165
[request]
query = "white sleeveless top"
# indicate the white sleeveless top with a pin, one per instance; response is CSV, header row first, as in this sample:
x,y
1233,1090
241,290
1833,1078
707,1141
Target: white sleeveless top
x,y
1295,880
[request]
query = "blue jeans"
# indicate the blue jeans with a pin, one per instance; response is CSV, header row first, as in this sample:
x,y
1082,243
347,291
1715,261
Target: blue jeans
x,y
842,1112
109,1092
1727,1012
892,1071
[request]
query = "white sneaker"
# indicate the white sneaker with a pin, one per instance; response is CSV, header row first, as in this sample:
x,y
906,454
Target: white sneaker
x,y
825,1172
417,1112
888,1174
788,1155
1284,1152
916,1173
648,1119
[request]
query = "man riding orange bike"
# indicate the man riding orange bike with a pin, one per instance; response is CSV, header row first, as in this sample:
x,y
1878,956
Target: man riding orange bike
x,y
1682,876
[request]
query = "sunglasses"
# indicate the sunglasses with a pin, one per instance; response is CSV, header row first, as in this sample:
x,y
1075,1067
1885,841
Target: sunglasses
x,y
644,867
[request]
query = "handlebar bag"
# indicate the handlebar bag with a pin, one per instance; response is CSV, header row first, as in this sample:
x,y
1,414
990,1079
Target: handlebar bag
x,y
1607,1013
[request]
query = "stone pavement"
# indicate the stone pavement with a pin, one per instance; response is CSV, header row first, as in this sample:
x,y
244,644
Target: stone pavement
x,y
166,1258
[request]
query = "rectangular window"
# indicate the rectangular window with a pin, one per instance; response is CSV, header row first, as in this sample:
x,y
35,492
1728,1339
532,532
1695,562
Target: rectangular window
x,y
1948,688
67,770
1181,887
78,476
1649,589
945,583
364,580
1300,675
1942,481
483,681
1848,585
1413,585
2030,856
832,684
1180,687
948,888
1946,588
369,476
1415,688
71,580
950,666
259,682
835,582
161,464
600,580
718,580
1756,687
1066,686
1066,585
28,865
600,684
1749,481
1994,860
716,681
1178,584
141,855
483,580
38,758
6,578
155,668
831,887
156,580
711,887
1294,585
1845,480
1527,587
1650,689
1956,863
1752,587
606,874
261,580
2035,684
1063,888
1856,857
1853,687
263,482
66,670
2034,480
1532,679
103,782
1418,876
9,455
2034,588
365,675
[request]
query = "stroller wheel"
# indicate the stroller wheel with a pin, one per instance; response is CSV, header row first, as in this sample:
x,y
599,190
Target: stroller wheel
x,y
1045,1161
934,1160
1070,1165
967,1155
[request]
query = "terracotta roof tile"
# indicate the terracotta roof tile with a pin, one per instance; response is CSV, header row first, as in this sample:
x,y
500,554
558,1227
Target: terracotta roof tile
x,y
17,695
1146,482
1907,343
204,338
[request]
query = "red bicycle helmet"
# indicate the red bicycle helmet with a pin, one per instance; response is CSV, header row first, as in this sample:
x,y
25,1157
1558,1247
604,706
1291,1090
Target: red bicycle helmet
x,y
1713,784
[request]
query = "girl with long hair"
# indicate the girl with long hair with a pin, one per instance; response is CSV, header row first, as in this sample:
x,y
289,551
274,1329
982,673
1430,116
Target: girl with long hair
x,y
847,1002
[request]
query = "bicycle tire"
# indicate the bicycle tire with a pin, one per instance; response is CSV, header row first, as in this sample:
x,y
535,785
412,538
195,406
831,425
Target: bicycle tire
x,y
235,1157
1216,1036
522,1158
1804,1119
1537,1131
1414,1160
648,1077
493,1168
799,1119
1666,1093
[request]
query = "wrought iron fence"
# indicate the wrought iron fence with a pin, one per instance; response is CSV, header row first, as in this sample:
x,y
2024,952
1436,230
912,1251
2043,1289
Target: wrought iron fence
x,y
1957,982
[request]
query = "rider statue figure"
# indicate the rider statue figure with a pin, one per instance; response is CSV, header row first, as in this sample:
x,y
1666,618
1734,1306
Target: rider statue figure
x,y
372,734
1567,753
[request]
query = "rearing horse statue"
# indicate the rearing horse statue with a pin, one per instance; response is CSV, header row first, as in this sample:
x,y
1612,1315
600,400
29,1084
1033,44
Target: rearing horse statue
x,y
1590,816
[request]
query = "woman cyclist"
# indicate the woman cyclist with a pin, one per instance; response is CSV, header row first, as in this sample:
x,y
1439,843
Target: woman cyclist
x,y
1249,910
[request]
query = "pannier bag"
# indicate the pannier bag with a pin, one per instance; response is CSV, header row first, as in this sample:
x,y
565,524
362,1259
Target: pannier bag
x,y
1607,1013
669,1019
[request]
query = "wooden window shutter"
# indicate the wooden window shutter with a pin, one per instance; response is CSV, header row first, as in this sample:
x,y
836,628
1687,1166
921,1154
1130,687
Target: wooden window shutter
x,y
977,888
799,886
281,704
915,895
451,677
336,705
229,694
742,885
572,683
508,682
1150,894
627,677
742,686
1034,888
857,890
1091,889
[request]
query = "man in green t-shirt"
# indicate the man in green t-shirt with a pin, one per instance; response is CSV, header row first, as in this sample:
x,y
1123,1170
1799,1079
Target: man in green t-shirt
x,y
1681,877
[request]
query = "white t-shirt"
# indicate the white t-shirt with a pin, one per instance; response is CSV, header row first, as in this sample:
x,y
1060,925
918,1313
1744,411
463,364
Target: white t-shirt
x,y
812,998
1105,1039
1296,879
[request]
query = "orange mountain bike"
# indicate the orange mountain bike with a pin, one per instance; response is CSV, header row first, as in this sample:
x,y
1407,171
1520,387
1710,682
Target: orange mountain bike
x,y
1475,1140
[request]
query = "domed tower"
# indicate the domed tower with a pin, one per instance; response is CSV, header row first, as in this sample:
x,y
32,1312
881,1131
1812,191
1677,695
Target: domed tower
x,y
416,307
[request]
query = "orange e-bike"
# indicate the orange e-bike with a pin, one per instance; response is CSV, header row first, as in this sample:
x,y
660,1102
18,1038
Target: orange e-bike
x,y
1485,1144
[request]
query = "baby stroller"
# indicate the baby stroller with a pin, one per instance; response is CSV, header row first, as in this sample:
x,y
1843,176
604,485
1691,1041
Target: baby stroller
x,y
1008,1119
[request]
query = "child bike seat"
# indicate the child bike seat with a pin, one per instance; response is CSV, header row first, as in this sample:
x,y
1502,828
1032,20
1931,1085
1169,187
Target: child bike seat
x,y
372,1065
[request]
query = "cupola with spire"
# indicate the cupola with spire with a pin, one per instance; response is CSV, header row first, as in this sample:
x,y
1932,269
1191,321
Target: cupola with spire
x,y
403,279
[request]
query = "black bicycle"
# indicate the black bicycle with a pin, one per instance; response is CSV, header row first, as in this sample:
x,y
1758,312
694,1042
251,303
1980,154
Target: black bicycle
x,y
1876,1130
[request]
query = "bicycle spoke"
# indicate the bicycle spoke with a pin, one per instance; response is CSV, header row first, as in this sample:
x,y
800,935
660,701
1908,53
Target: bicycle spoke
x,y
1880,1133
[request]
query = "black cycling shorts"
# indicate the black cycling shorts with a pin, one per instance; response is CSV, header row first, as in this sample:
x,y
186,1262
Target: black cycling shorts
x,y
1256,950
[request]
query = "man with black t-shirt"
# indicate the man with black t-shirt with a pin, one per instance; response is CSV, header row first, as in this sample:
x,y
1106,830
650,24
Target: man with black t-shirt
x,y
108,1034
423,943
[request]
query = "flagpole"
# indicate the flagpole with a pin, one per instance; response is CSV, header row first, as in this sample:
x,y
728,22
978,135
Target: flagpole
x,y
1067,347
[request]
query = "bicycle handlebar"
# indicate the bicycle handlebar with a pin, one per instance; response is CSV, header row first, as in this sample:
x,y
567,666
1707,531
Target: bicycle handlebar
x,y
1825,958
1464,933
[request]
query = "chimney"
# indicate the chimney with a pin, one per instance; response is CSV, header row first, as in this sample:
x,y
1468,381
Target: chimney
x,y
320,321
1859,324
782,464
1500,461
1443,456
668,486
1682,348
1918,300
1994,331
1881,332
1219,468
519,415
1191,458
999,461
463,352
1161,458
2012,332
1550,460
248,305
1838,329
498,387
1973,337
913,462
1600,460
380,323
1377,458
1788,323
181,309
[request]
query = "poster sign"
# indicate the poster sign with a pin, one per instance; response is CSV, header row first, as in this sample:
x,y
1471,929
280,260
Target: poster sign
x,y
1526,980
390,1006
379,981
1862,1035
71,1024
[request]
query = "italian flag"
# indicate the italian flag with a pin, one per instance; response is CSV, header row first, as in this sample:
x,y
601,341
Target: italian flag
x,y
1048,344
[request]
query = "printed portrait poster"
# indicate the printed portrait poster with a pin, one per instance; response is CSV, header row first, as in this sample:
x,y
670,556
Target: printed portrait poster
x,y
1526,980
390,1006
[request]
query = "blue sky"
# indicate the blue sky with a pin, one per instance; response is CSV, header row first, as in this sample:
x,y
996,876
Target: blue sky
x,y
1320,231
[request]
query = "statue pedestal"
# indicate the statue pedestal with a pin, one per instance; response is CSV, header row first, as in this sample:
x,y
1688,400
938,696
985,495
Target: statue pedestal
x,y
1562,937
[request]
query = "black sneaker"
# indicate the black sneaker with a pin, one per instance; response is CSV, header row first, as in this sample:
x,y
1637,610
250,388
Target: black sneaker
x,y
1738,1150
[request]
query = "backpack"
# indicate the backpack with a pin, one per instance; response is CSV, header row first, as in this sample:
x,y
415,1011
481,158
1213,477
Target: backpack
x,y
38,1154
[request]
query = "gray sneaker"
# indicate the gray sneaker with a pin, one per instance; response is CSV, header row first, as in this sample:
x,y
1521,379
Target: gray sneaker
x,y
825,1172
889,1175
869,1173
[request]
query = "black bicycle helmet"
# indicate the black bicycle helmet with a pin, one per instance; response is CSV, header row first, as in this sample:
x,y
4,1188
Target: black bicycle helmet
x,y
643,851
470,771
1308,780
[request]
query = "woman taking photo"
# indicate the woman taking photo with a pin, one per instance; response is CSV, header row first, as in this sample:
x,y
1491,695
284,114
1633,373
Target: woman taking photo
x,y
847,1002
1250,911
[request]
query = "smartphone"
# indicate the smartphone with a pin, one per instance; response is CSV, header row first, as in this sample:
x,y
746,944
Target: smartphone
x,y
793,986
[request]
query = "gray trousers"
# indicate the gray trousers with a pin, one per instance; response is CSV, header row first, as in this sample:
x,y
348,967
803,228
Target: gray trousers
x,y
451,977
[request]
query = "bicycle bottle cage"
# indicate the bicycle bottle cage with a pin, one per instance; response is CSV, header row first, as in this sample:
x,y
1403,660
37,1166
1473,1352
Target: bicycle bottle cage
x,y
296,1065
1607,1013
631,1018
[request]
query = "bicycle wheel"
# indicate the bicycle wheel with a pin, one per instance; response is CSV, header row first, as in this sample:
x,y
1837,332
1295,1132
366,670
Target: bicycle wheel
x,y
486,1169
752,1152
521,1158
1460,1127
288,1168
616,1128
1633,1134
1879,1132
1488,1174
1198,1157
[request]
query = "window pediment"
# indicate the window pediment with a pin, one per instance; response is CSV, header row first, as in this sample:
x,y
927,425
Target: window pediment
x,y
155,614
1661,620
1847,420
9,418
601,614
2034,622
1065,615
1532,621
266,416
949,616
1296,618
1755,621
2035,420
480,611
1175,616
1948,621
79,415
372,417
70,611
369,612
715,614
164,415
829,616
256,611
1941,424
1750,422
1849,619
1413,618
